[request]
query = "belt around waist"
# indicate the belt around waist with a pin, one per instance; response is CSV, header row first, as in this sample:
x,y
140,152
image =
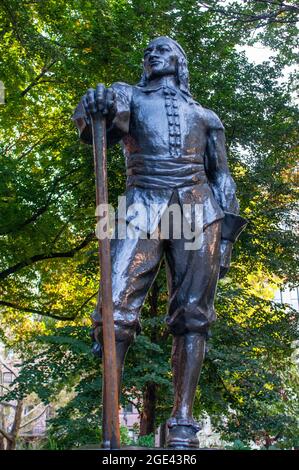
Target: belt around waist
x,y
164,171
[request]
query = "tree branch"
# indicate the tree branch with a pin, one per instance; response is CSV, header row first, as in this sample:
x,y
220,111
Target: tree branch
x,y
43,313
8,368
286,6
267,16
5,403
47,313
5,388
29,150
6,435
22,137
41,257
33,218
45,69
41,210
34,419
229,394
33,410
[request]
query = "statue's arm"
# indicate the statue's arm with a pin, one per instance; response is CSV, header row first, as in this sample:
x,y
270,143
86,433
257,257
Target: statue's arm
x,y
83,124
223,186
117,119
221,181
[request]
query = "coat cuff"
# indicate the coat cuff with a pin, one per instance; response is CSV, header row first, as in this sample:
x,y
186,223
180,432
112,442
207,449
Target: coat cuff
x,y
80,119
232,226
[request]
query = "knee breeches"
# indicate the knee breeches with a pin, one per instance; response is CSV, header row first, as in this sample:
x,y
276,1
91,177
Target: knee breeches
x,y
192,277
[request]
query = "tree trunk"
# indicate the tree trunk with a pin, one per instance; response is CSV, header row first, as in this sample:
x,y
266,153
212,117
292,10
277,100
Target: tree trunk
x,y
147,418
2,426
11,444
2,447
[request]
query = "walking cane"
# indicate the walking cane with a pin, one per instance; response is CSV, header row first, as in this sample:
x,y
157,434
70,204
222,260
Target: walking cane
x,y
110,419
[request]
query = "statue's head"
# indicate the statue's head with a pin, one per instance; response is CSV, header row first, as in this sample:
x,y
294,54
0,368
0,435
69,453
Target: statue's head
x,y
164,56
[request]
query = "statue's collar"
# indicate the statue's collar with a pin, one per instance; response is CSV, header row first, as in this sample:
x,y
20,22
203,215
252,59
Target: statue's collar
x,y
151,88
172,90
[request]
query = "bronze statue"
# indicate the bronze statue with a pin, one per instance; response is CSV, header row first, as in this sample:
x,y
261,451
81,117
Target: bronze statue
x,y
175,154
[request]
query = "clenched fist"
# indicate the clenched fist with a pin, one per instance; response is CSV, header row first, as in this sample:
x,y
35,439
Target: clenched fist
x,y
100,100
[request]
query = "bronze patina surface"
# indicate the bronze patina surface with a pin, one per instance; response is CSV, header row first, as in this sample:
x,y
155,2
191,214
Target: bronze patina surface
x,y
175,153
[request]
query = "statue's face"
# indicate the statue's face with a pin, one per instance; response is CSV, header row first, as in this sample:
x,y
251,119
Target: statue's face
x,y
160,59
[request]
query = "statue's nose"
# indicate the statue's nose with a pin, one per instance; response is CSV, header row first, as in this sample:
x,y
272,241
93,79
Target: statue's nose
x,y
154,55
153,58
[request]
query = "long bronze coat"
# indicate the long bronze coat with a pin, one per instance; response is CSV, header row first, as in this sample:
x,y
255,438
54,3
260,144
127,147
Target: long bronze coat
x,y
175,151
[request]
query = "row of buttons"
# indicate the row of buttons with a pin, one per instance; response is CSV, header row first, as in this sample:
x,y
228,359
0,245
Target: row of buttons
x,y
173,122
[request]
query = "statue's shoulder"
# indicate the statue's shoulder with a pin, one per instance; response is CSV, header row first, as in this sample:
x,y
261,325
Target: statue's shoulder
x,y
123,88
211,119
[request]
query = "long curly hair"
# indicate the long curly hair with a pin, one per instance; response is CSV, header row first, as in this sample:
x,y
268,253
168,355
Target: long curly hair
x,y
182,73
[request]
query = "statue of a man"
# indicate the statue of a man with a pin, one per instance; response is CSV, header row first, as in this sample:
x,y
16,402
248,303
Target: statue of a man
x,y
175,153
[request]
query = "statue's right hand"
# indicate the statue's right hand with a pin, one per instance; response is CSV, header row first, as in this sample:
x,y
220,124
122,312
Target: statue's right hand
x,y
99,101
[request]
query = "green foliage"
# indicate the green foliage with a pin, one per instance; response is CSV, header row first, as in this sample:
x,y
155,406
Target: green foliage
x,y
51,52
58,361
237,445
250,378
146,441
51,444
124,436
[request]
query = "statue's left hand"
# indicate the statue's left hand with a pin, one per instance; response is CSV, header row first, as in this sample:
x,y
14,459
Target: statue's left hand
x,y
225,257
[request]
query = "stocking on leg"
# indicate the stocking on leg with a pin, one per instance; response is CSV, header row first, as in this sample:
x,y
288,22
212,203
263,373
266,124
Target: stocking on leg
x,y
187,358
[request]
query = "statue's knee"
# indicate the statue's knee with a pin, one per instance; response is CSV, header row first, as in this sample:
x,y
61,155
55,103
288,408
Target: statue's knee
x,y
188,320
124,334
